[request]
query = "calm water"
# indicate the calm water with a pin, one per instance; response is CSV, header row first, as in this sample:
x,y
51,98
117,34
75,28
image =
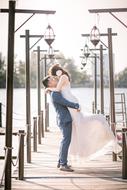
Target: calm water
x,y
84,95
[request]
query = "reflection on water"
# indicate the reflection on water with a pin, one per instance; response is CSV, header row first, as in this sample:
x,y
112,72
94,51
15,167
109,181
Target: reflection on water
x,y
84,95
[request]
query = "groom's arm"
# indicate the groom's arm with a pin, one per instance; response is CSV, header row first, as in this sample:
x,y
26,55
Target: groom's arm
x,y
58,98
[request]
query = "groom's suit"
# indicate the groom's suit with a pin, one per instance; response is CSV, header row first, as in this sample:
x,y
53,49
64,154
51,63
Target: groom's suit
x,y
64,121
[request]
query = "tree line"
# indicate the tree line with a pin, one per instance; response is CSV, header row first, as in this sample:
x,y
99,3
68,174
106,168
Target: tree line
x,y
79,78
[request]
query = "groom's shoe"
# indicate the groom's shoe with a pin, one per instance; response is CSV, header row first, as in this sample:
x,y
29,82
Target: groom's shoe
x,y
58,165
66,168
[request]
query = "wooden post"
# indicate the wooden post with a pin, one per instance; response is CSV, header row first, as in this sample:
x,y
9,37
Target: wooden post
x,y
9,98
21,155
39,94
93,107
28,110
95,83
35,134
39,130
0,114
111,84
47,116
101,81
45,96
124,152
42,123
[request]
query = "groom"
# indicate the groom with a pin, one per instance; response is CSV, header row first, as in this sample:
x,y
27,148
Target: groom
x,y
64,120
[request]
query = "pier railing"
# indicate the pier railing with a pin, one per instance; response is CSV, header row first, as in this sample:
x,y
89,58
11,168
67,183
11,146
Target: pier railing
x,y
19,158
38,130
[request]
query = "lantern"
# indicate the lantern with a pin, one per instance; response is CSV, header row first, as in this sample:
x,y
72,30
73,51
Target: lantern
x,y
86,51
95,36
49,36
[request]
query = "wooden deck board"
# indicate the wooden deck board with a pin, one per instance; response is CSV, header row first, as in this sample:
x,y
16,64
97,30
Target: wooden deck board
x,y
42,174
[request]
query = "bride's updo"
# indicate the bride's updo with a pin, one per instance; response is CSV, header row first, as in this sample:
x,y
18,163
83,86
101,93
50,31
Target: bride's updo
x,y
57,70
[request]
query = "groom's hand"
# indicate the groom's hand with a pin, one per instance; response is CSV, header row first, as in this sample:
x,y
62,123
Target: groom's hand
x,y
79,109
47,90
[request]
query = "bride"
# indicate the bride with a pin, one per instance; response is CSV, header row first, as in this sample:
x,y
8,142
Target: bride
x,y
90,133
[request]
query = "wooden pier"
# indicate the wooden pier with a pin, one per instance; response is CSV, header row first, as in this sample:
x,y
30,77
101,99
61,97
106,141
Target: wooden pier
x,y
98,174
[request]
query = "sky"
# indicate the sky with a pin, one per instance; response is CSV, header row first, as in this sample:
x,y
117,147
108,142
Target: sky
x,y
71,19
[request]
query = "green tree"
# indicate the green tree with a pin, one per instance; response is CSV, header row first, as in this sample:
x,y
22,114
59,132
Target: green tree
x,y
22,74
33,75
121,79
2,72
19,75
16,81
78,78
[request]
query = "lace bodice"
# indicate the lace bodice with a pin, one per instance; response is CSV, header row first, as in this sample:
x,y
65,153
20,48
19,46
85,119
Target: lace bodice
x,y
66,92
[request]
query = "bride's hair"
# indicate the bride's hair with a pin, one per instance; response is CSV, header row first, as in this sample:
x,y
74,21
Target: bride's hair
x,y
54,68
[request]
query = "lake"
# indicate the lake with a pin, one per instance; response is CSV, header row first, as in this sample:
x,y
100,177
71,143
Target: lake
x,y
84,95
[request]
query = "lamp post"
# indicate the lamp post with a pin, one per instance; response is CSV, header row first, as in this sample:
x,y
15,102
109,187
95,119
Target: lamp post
x,y
10,66
95,82
45,57
86,53
110,69
94,38
39,94
40,129
111,81
49,39
101,81
109,34
9,97
27,37
111,12
101,49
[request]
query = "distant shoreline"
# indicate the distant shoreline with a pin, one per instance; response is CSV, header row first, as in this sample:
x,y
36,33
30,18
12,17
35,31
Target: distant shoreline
x,y
73,86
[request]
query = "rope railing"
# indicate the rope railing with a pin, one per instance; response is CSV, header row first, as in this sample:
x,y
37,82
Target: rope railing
x,y
3,105
22,119
19,157
3,115
19,119
14,113
5,163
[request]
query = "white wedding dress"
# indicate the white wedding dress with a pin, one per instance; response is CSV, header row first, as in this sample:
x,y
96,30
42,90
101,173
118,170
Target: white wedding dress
x,y
90,133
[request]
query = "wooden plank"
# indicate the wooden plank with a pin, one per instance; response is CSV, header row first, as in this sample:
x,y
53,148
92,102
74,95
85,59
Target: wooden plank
x,y
97,174
3,157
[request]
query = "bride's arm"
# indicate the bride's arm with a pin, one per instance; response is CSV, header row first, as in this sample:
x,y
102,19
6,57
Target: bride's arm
x,y
62,80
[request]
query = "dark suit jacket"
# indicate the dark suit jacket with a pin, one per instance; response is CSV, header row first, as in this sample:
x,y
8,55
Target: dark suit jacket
x,y
61,104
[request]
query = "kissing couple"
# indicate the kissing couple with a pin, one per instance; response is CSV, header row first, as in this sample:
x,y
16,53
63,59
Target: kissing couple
x,y
83,135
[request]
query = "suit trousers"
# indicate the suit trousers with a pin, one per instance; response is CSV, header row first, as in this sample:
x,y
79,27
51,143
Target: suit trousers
x,y
65,142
